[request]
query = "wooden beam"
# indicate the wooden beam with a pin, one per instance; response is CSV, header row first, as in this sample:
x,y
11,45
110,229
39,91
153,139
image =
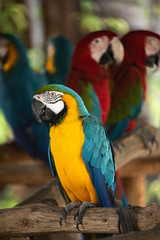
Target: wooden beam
x,y
135,190
29,174
140,167
38,219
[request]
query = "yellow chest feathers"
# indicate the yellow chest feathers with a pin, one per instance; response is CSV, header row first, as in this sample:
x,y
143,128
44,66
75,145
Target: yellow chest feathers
x,y
67,138
67,141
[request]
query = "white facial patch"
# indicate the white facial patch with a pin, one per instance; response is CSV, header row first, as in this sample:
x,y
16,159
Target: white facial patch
x,y
3,47
152,45
56,107
98,47
3,51
118,49
51,51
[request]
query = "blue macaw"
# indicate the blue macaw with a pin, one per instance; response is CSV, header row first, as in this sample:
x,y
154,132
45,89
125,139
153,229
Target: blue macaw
x,y
81,156
17,84
60,51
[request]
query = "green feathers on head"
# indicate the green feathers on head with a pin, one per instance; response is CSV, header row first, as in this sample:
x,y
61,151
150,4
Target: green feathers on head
x,y
65,90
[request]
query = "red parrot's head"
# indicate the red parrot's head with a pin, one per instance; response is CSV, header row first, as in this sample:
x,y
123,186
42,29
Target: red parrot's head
x,y
142,48
97,49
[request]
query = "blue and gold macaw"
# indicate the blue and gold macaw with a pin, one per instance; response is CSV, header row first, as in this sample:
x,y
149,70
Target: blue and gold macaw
x,y
81,156
60,51
17,85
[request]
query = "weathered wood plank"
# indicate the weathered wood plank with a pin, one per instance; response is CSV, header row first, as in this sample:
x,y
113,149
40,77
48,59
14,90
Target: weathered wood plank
x,y
38,219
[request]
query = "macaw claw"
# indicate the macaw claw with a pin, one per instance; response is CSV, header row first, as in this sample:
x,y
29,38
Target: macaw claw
x,y
67,209
81,211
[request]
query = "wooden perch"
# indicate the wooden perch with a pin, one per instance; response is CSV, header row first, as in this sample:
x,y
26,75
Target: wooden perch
x,y
32,173
43,218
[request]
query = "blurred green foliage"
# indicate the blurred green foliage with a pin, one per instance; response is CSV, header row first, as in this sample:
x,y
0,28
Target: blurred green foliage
x,y
153,191
13,17
5,130
89,19
37,59
8,198
153,97
150,8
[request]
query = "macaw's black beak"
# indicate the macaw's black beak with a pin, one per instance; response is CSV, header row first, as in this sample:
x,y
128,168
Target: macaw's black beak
x,y
108,56
41,112
153,60
38,109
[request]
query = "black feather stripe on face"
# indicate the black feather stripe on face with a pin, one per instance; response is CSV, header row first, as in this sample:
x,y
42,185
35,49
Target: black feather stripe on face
x,y
55,119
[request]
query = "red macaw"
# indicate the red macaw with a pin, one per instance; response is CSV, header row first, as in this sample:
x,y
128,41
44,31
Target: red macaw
x,y
129,82
87,75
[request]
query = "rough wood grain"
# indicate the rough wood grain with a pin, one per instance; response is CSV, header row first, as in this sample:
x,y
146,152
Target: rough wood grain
x,y
38,219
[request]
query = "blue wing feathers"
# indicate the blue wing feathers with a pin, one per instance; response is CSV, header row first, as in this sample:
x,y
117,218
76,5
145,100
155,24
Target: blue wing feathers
x,y
98,157
101,189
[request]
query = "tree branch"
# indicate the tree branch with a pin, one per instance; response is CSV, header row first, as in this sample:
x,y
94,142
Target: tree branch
x,y
38,219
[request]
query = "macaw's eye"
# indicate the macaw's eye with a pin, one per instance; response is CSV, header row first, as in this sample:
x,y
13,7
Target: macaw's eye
x,y
97,40
153,39
53,94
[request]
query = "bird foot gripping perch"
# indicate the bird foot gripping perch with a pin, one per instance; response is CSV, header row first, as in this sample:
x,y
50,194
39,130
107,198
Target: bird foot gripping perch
x,y
124,222
79,214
